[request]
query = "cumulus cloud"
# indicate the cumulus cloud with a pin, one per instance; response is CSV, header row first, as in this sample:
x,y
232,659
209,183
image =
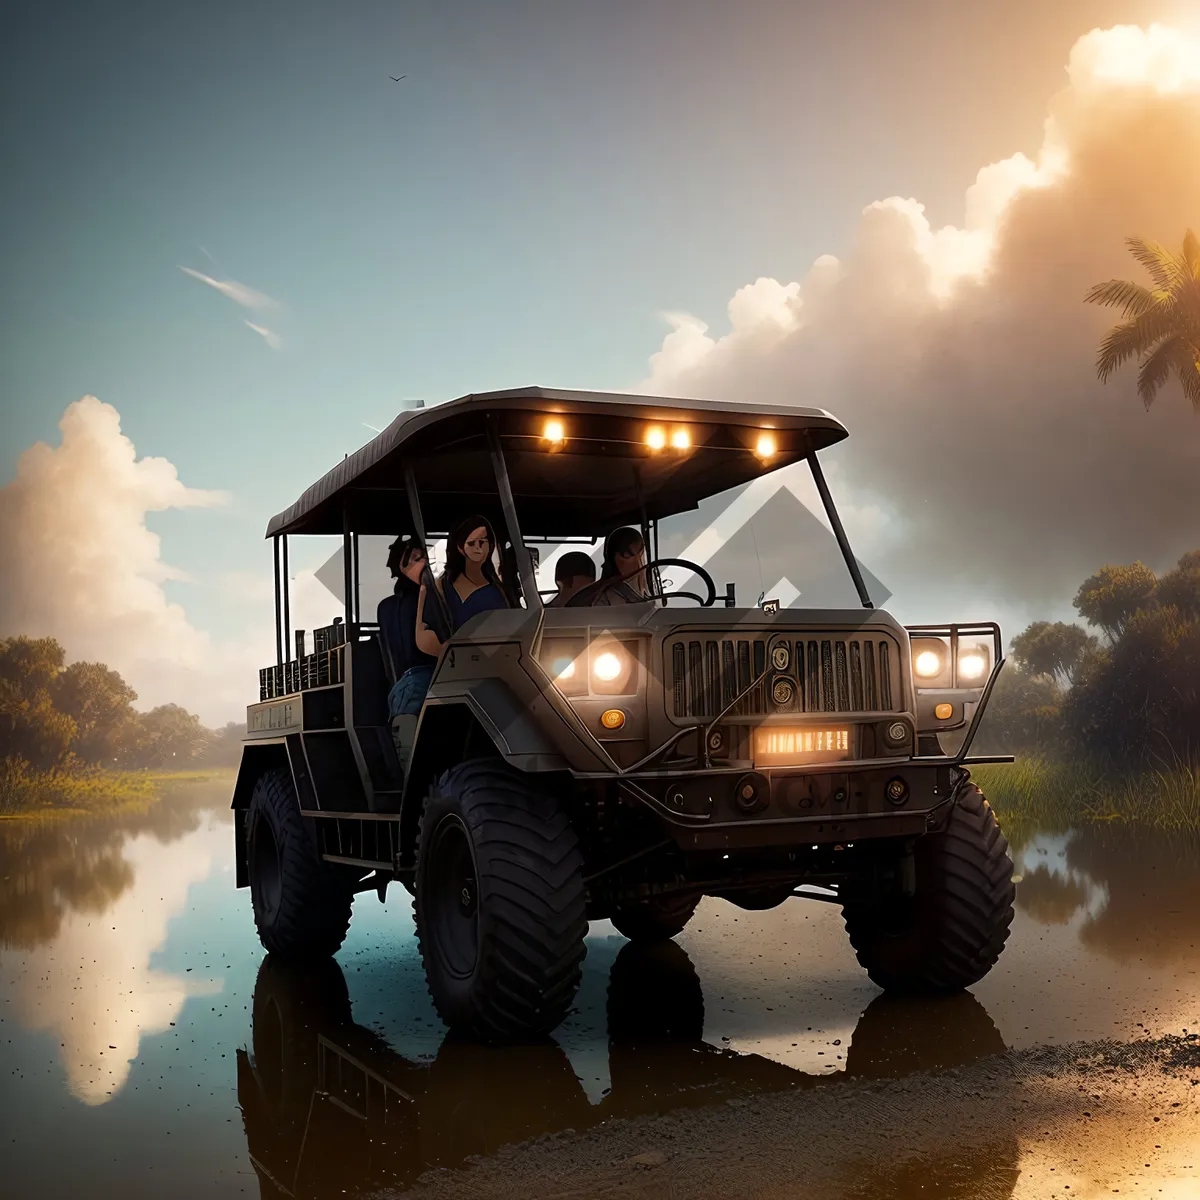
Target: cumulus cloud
x,y
961,359
239,293
79,564
269,336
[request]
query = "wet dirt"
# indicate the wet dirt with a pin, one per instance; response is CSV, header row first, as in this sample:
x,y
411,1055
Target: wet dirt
x,y
147,1046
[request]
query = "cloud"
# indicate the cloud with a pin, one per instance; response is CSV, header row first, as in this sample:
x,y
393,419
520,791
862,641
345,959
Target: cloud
x,y
239,293
79,564
272,339
997,469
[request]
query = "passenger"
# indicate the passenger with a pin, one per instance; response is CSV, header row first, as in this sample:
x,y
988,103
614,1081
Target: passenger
x,y
622,574
572,573
412,668
469,585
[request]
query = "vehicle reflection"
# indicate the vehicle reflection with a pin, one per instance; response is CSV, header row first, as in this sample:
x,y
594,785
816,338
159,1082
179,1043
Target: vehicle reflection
x,y
329,1108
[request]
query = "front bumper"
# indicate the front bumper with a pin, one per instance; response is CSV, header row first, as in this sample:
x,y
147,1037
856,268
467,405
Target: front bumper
x,y
728,809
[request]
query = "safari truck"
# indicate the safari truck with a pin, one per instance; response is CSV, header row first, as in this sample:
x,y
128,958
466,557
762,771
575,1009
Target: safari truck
x,y
613,761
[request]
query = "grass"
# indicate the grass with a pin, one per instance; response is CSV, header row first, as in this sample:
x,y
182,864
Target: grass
x,y
1045,794
77,791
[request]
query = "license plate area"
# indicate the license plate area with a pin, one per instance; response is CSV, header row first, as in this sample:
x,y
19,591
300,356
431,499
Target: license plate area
x,y
799,746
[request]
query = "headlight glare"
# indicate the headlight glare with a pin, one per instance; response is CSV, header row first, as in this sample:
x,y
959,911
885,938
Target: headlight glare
x,y
607,666
972,665
928,664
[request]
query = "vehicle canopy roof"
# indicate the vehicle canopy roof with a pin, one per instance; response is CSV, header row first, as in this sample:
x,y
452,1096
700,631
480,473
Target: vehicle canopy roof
x,y
602,474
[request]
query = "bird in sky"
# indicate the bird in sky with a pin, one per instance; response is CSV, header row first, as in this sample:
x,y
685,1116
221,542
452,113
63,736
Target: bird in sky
x,y
397,78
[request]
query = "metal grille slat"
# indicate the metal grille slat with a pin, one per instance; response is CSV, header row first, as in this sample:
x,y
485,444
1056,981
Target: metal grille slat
x,y
695,679
758,697
843,681
856,677
728,673
743,674
813,699
678,677
712,655
885,678
870,699
828,695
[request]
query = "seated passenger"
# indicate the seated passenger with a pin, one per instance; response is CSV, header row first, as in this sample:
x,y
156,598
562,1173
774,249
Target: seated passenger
x,y
412,668
469,585
622,574
573,572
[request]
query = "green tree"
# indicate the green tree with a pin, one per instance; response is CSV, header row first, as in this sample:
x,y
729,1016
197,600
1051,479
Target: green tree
x,y
30,726
1180,588
1114,595
167,736
100,703
1057,649
1160,325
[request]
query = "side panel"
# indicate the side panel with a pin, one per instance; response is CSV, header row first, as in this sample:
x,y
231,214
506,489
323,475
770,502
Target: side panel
x,y
256,758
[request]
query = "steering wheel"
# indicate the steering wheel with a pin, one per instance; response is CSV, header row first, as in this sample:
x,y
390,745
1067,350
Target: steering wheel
x,y
590,594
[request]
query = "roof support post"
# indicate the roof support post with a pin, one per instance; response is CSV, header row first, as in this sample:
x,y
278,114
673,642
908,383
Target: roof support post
x,y
287,608
509,507
843,541
347,567
418,523
278,603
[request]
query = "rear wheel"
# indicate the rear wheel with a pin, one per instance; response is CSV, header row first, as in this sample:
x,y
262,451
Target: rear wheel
x,y
655,919
951,932
301,903
500,903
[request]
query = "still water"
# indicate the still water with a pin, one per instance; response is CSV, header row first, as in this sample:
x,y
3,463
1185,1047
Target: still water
x,y
148,1048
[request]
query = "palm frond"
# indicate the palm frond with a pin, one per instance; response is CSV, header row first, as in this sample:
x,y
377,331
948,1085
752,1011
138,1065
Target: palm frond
x,y
1123,342
1131,298
1191,253
1156,369
1187,371
1163,266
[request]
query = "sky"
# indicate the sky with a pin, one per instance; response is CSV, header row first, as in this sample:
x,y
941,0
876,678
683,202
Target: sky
x,y
547,190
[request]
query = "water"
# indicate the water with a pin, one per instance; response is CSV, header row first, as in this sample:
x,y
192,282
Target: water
x,y
147,1047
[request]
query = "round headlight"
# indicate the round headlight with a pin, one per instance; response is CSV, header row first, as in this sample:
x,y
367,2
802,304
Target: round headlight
x,y
607,667
928,663
972,666
780,657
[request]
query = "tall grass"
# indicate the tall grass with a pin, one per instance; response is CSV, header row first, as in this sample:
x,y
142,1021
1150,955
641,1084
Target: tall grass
x,y
1051,795
71,790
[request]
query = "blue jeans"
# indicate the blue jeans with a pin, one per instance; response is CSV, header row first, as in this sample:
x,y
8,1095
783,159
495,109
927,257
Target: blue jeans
x,y
408,693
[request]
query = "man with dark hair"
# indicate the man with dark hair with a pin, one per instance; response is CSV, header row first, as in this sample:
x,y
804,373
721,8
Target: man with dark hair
x,y
575,570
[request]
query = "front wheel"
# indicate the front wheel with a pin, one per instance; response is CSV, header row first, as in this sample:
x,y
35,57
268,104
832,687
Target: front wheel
x,y
951,932
301,903
500,903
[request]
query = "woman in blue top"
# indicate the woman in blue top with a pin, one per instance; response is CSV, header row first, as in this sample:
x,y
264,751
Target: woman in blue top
x,y
470,583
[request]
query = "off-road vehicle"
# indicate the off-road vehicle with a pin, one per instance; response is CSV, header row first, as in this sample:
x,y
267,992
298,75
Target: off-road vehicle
x,y
612,760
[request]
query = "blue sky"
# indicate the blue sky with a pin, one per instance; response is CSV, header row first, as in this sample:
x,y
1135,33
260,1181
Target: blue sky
x,y
521,209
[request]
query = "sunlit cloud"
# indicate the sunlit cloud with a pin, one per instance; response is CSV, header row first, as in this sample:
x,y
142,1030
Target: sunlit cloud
x,y
961,357
269,336
239,293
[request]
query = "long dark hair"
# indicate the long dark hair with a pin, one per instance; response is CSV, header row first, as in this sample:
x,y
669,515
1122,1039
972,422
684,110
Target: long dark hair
x,y
400,553
456,561
620,541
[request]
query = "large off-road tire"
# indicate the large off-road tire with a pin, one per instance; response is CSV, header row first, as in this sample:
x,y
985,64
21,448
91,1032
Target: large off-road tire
x,y
951,932
500,903
301,903
655,919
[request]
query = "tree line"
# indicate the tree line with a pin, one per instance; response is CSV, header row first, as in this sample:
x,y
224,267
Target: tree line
x,y
55,715
1125,690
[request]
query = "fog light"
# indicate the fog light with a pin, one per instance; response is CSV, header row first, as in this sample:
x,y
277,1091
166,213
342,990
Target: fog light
x,y
897,731
612,718
783,692
896,790
944,712
751,792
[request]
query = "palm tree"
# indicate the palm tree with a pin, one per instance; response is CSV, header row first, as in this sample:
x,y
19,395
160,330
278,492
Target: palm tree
x,y
1160,326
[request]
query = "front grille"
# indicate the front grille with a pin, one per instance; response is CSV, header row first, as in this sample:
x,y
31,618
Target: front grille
x,y
851,673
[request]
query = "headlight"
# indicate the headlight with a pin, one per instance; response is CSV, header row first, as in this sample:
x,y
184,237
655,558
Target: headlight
x,y
972,665
927,664
607,666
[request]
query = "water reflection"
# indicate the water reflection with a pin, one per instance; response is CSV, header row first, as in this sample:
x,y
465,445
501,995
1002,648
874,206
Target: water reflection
x,y
89,901
329,1107
1135,894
